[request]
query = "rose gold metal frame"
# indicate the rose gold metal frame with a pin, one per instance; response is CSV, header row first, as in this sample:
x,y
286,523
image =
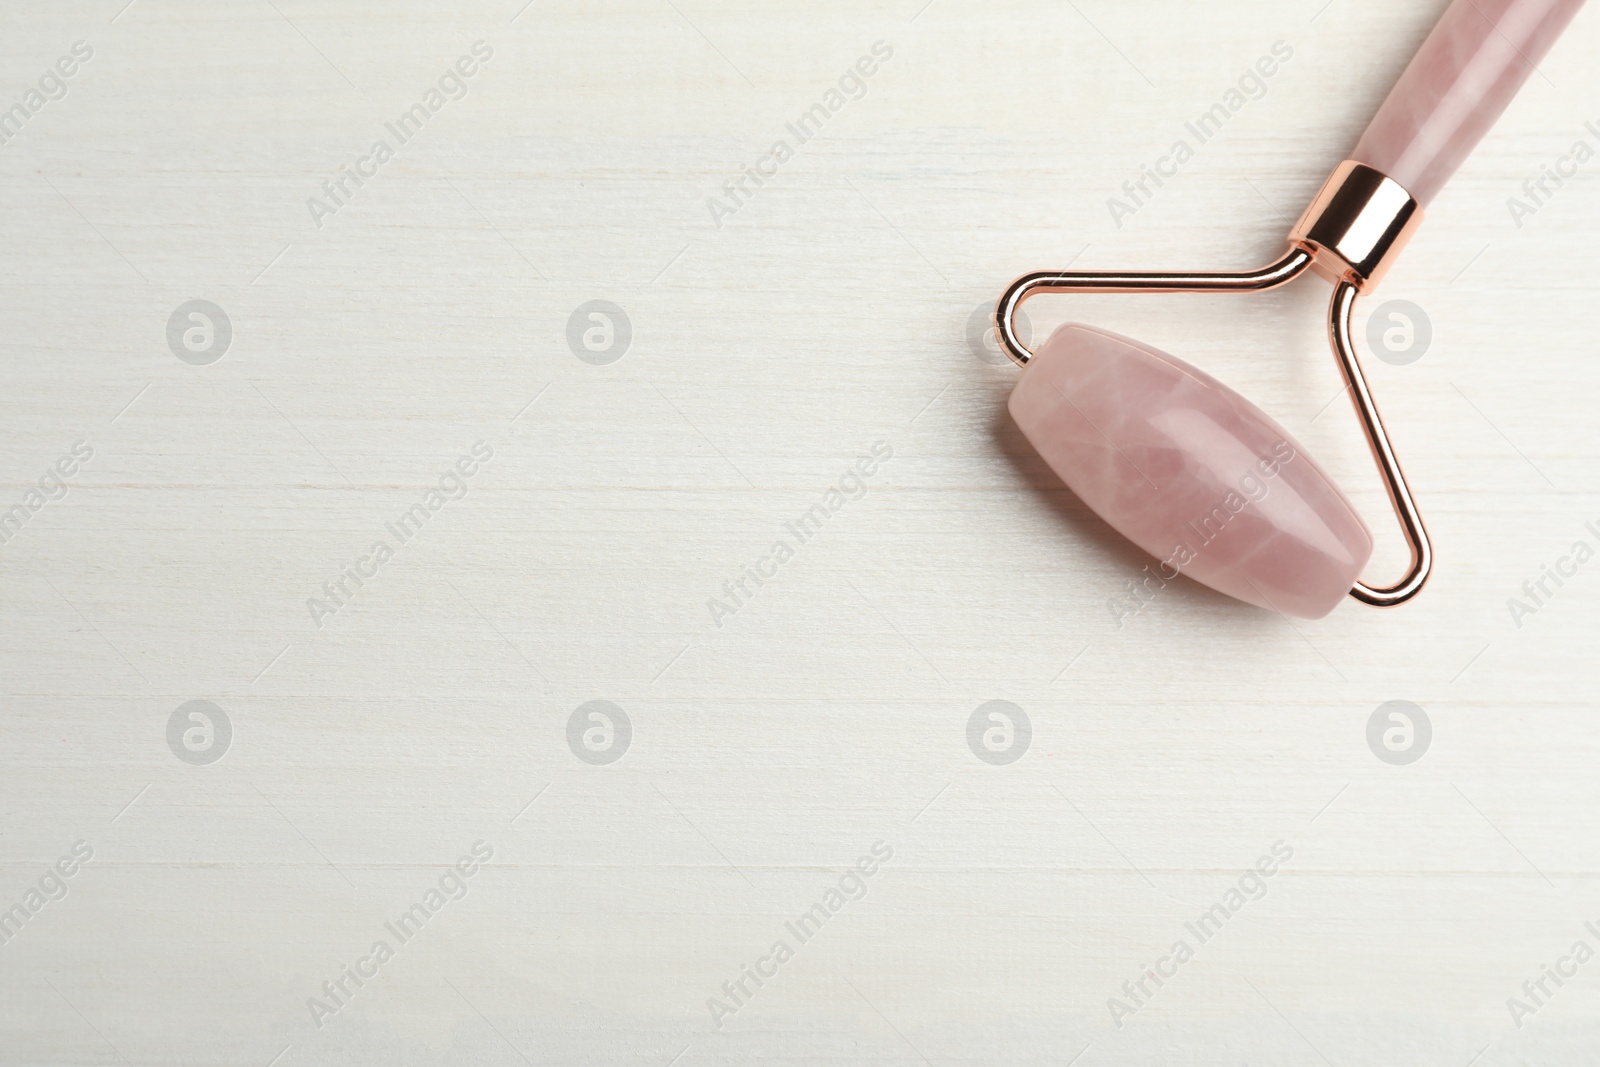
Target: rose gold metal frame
x,y
1350,234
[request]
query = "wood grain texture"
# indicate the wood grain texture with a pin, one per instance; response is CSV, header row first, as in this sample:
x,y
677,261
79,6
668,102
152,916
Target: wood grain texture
x,y
771,748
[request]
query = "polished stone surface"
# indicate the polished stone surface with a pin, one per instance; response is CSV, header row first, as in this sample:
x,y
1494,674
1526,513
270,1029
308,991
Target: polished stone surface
x,y
1456,86
1190,471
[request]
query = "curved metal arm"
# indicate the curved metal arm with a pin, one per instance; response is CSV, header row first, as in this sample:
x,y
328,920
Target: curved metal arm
x,y
1287,269
1340,311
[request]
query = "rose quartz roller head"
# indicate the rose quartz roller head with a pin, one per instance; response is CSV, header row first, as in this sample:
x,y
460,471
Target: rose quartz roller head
x,y
1194,473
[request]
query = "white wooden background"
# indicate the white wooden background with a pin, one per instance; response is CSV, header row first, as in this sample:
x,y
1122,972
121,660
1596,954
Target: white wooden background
x,y
831,312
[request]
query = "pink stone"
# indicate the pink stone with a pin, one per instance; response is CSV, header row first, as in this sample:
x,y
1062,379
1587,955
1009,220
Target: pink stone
x,y
1190,471
1467,71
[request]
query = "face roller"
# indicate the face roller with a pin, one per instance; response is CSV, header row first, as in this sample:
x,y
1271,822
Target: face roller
x,y
1194,473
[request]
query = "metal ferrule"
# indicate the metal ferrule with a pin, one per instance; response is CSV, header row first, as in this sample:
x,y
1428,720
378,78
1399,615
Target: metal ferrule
x,y
1357,225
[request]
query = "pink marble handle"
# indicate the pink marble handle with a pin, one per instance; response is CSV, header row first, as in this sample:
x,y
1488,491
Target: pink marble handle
x,y
1468,70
